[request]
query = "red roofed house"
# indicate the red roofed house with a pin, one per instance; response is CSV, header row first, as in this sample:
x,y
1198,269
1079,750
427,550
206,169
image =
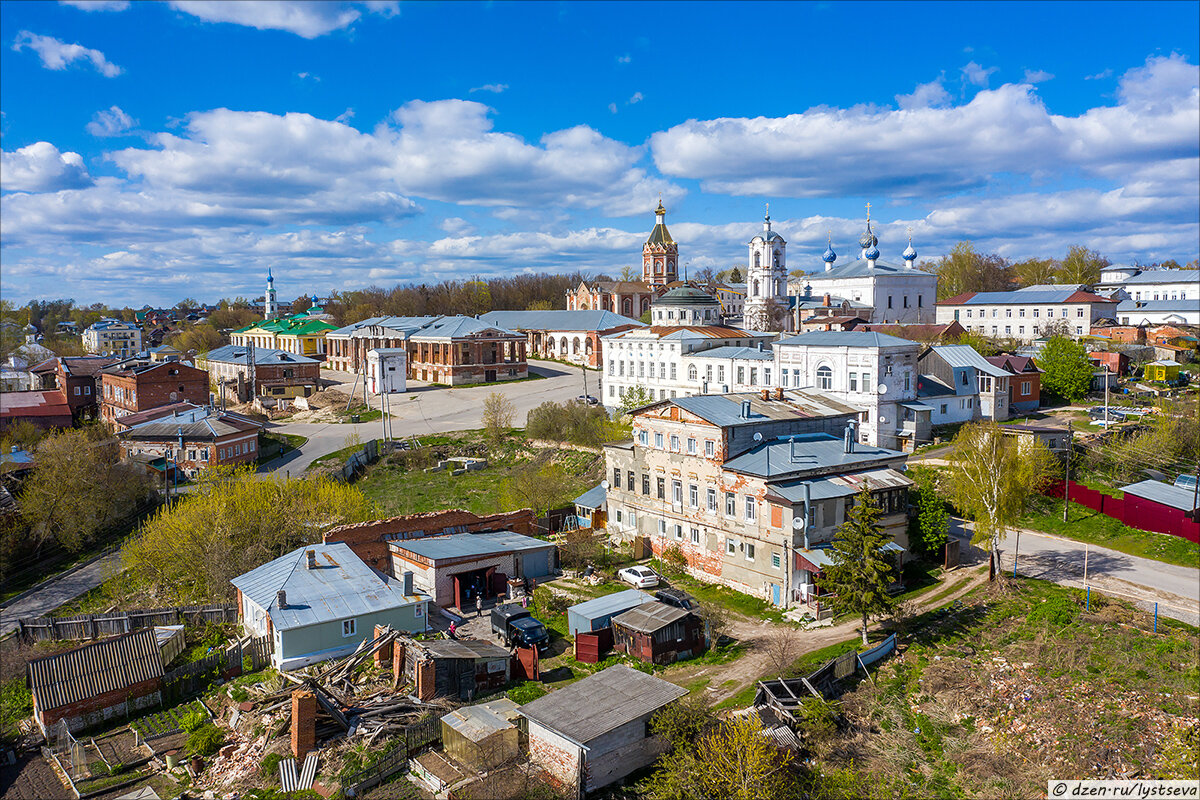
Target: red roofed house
x,y
45,408
76,378
945,333
1025,387
1025,314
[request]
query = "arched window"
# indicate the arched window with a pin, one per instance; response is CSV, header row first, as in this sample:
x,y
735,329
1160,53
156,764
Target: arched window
x,y
575,345
756,285
777,258
758,259
824,377
626,307
691,372
562,345
645,304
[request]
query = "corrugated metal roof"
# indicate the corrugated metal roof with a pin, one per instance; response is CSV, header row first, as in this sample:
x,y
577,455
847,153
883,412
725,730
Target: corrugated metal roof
x,y
728,351
1165,493
726,409
602,702
805,452
558,320
845,339
263,356
650,617
1040,293
840,485
1159,306
196,423
461,545
963,355
456,327
109,665
610,604
464,648
341,586
1154,276
592,498
859,269
478,722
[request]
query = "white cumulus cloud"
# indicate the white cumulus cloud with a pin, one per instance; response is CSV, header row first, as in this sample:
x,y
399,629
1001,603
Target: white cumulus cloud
x,y
1036,76
303,18
977,75
112,122
494,88
57,55
926,95
41,167
97,5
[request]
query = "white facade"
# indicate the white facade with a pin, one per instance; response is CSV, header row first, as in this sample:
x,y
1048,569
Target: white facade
x,y
766,302
654,359
873,372
1026,314
1129,283
112,337
387,368
730,369
1159,312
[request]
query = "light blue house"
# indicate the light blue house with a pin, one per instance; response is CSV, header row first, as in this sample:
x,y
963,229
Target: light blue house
x,y
321,601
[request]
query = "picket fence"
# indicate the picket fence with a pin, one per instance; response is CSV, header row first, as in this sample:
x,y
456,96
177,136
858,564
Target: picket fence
x,y
93,626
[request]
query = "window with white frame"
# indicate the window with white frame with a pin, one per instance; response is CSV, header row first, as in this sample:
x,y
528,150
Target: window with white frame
x,y
678,532
695,536
643,437
691,446
693,495
751,508
730,546
854,381
749,551
349,627
677,492
674,443
710,448
824,377
662,527
730,504
658,440
741,374
775,560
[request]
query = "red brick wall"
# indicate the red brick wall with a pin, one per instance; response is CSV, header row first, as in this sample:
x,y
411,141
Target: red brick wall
x,y
153,389
91,710
366,539
304,722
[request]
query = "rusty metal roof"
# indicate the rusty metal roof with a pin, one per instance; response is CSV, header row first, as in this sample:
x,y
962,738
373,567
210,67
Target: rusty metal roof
x,y
464,648
109,665
650,617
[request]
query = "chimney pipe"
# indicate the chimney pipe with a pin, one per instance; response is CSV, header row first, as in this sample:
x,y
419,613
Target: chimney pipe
x,y
849,437
745,409
825,300
408,582
311,559
281,598
807,511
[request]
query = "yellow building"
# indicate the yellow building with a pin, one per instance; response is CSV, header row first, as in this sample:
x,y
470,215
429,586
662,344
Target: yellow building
x,y
299,334
1162,371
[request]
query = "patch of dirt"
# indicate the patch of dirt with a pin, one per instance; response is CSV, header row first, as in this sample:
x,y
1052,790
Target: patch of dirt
x,y
31,778
14,655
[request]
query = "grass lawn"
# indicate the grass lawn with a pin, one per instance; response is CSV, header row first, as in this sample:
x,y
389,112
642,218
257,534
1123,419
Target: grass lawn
x,y
722,596
1085,525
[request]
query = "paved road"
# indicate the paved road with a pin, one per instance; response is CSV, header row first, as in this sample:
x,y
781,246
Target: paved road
x,y
62,590
1142,581
426,410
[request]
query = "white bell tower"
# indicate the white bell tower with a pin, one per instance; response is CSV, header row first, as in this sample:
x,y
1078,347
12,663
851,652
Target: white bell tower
x,y
766,281
270,307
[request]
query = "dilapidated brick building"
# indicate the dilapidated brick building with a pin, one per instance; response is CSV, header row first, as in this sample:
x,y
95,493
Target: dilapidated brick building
x,y
137,385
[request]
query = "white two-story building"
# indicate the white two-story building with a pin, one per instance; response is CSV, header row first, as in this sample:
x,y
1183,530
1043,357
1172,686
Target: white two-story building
x,y
1025,314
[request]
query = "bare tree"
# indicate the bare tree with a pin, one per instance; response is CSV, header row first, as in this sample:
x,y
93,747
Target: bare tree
x,y
782,647
498,413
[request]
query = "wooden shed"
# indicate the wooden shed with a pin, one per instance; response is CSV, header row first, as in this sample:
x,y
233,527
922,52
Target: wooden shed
x,y
462,668
658,633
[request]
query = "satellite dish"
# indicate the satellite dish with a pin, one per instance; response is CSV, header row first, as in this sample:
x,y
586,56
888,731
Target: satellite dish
x,y
758,437
604,485
797,523
882,388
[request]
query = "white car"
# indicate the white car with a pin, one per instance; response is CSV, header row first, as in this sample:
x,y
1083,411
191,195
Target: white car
x,y
639,577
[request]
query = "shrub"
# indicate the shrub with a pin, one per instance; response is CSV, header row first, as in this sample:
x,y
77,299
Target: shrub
x,y
674,562
1057,611
192,720
270,765
205,740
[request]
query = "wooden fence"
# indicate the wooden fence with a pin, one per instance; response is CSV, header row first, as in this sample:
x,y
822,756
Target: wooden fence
x,y
415,736
93,626
193,678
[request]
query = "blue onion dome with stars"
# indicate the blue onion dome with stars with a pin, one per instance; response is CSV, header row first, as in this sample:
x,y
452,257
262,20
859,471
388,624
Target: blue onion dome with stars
x,y
909,253
829,256
872,253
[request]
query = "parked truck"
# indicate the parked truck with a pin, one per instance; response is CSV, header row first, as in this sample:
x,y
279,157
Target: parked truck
x,y
515,625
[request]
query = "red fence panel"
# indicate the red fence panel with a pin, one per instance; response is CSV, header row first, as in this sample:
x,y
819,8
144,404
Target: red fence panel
x,y
1136,512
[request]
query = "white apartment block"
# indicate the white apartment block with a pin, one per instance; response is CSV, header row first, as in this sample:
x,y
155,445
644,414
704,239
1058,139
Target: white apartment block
x,y
112,337
1025,314
873,372
1131,283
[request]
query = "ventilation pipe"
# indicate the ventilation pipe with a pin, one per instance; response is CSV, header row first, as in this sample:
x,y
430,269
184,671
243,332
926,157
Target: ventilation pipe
x,y
281,598
408,582
745,409
849,437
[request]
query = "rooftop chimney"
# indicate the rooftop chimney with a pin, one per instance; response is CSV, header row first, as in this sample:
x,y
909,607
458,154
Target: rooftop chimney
x,y
849,437
825,300
745,409
408,582
778,392
311,559
281,598
766,394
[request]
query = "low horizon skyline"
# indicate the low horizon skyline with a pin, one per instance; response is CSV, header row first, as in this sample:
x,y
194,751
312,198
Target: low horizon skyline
x,y
192,145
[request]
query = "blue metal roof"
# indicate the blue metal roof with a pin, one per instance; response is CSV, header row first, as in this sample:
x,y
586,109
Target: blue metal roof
x,y
805,452
608,604
929,386
455,327
1165,493
558,320
463,545
592,498
1039,293
725,410
340,586
858,269
840,485
846,339
729,351
963,355
263,356
1159,306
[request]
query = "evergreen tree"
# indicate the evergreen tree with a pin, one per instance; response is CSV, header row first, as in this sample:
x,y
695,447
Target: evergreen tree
x,y
735,275
861,570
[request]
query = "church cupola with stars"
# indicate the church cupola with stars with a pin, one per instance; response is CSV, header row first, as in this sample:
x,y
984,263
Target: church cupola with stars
x,y
766,280
660,253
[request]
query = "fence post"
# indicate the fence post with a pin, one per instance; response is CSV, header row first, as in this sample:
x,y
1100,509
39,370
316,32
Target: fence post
x,y
1156,617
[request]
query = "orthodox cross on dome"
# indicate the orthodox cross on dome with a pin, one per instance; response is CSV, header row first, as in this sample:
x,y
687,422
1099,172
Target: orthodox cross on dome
x,y
868,212
910,234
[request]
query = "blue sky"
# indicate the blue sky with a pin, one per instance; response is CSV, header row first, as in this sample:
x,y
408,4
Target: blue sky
x,y
159,150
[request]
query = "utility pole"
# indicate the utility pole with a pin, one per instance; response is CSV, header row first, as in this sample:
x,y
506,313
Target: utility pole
x,y
1106,396
585,391
1067,472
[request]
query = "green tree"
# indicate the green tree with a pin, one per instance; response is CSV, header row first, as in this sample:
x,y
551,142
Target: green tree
x,y
645,318
964,270
635,397
992,477
540,488
1035,271
79,486
1081,266
735,275
982,344
927,530
498,412
1066,371
861,570
232,522
540,305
